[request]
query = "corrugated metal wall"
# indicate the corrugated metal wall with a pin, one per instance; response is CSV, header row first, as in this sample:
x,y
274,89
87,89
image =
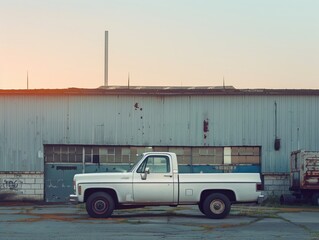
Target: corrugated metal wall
x,y
29,121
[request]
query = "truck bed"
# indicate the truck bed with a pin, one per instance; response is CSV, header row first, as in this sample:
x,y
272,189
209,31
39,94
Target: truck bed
x,y
192,184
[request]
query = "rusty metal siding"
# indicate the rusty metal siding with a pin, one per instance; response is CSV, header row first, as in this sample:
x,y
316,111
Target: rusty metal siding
x,y
29,121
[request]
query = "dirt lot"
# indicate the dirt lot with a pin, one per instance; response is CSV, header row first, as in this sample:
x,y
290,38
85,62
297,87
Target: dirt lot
x,y
69,222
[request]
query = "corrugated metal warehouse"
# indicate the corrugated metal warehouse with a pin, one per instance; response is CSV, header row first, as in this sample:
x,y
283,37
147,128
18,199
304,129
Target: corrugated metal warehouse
x,y
46,136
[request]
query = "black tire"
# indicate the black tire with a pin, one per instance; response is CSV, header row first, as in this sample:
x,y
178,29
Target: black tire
x,y
100,205
216,206
315,199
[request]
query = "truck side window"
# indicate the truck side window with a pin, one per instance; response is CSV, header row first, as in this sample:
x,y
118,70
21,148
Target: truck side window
x,y
141,168
156,164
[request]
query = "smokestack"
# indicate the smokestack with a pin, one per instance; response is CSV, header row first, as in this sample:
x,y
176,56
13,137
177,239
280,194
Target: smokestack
x,y
106,60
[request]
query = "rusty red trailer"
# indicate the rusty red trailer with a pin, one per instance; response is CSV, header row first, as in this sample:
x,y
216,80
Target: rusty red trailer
x,y
304,177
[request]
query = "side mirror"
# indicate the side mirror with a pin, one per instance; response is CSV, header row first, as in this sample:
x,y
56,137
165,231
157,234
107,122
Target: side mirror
x,y
144,174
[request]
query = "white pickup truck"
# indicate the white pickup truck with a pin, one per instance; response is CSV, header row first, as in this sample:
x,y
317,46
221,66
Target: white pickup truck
x,y
154,180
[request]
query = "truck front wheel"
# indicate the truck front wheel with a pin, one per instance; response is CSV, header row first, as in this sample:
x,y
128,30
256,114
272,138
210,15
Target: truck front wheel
x,y
216,206
100,205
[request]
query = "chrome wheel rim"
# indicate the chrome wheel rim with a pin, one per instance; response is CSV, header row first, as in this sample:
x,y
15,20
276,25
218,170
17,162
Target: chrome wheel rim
x,y
100,206
217,206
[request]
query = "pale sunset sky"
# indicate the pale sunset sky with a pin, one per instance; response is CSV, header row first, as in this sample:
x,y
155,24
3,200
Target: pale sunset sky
x,y
248,43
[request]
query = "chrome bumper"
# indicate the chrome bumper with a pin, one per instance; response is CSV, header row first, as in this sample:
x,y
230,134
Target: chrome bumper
x,y
73,199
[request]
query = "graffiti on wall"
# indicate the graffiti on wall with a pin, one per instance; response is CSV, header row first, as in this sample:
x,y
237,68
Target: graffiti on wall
x,y
10,187
10,184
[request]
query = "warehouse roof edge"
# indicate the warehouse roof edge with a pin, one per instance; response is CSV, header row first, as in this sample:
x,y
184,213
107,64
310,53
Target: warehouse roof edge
x,y
168,90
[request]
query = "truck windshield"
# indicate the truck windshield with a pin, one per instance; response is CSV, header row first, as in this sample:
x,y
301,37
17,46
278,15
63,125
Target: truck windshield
x,y
136,162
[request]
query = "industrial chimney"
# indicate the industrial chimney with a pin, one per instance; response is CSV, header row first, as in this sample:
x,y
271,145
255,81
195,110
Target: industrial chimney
x,y
106,59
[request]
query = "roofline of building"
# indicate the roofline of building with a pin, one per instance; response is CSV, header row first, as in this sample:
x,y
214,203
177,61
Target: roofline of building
x,y
135,90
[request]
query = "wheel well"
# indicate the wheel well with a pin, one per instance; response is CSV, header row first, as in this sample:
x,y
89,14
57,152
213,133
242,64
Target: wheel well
x,y
90,191
228,193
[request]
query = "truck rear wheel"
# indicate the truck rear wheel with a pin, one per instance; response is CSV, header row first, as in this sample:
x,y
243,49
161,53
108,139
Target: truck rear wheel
x,y
100,205
216,206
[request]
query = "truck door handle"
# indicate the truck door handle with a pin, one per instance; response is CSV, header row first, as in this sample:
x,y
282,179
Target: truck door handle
x,y
168,175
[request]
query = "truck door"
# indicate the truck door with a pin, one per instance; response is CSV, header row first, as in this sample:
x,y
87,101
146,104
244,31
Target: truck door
x,y
153,181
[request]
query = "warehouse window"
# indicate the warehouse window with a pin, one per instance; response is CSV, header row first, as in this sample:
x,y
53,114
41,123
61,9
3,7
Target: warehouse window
x,y
90,154
208,155
128,154
57,153
245,155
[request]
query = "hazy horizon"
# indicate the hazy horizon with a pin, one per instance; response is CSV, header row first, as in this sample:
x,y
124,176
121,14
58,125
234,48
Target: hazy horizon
x,y
244,43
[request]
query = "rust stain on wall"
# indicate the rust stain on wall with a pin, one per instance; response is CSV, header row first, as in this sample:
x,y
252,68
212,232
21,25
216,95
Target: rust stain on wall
x,y
205,127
